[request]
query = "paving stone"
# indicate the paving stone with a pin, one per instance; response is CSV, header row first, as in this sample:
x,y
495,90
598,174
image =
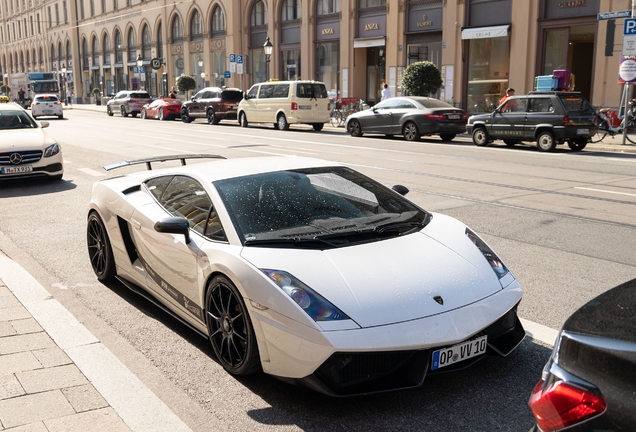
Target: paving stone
x,y
27,342
6,329
31,408
8,302
58,377
31,427
14,313
29,325
4,290
84,398
10,387
50,357
18,362
102,420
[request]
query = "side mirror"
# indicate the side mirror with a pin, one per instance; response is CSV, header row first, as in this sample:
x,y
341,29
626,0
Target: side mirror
x,y
245,96
174,225
402,190
374,109
192,98
44,124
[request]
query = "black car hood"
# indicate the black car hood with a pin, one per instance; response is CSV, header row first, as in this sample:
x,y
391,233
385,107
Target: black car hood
x,y
610,315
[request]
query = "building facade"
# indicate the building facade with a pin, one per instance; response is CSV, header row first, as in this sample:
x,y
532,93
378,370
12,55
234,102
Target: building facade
x,y
482,47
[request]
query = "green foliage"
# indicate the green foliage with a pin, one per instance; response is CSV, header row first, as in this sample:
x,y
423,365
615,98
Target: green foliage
x,y
186,83
5,89
95,91
421,79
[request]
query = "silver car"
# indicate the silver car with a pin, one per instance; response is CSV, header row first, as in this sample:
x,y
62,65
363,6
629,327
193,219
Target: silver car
x,y
128,103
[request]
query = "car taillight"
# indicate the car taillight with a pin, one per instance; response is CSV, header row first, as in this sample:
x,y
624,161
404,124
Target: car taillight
x,y
436,117
294,106
35,103
566,121
561,405
58,103
464,116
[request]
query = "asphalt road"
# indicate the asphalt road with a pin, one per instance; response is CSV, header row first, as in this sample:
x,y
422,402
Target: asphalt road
x,y
564,223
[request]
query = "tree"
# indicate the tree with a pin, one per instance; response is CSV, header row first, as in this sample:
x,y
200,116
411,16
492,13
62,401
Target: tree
x,y
186,83
421,79
5,89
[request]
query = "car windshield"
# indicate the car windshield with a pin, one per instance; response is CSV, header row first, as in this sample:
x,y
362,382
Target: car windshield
x,y
15,120
576,105
317,207
231,96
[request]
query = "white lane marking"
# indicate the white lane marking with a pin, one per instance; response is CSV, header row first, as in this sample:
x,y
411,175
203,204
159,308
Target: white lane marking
x,y
539,332
606,191
92,172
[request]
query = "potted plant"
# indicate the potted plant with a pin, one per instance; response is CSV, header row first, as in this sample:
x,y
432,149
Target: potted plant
x,y
98,100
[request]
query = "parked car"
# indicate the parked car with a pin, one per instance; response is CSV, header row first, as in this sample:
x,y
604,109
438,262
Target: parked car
x,y
47,105
162,109
589,382
392,292
128,102
26,150
411,117
212,103
283,103
547,118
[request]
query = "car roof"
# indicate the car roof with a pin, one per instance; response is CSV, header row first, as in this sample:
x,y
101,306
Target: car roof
x,y
219,89
11,106
220,169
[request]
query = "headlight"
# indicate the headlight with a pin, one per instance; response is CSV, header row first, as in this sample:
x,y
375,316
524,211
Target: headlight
x,y
497,265
316,306
52,150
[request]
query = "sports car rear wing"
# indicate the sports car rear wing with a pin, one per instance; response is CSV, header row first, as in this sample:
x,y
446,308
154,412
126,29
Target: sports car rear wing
x,y
150,160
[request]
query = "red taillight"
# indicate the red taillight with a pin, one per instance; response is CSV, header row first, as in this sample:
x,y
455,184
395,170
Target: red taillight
x,y
294,106
35,103
436,117
562,405
566,121
58,103
329,106
464,116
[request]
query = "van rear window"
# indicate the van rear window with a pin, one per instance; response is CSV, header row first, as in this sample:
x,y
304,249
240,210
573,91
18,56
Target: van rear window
x,y
311,90
576,105
232,96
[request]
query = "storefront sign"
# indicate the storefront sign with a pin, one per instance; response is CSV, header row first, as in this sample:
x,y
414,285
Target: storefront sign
x,y
424,22
485,32
328,31
372,26
571,8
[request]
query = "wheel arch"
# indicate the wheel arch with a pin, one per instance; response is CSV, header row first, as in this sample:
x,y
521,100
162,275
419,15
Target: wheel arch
x,y
539,129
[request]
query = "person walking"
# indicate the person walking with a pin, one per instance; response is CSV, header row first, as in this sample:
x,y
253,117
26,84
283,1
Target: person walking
x,y
173,93
21,96
386,93
69,97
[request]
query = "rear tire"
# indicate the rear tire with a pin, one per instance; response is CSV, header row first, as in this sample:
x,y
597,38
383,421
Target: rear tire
x,y
577,144
282,122
546,142
212,118
144,114
99,249
243,120
161,114
480,136
411,132
318,126
447,137
123,111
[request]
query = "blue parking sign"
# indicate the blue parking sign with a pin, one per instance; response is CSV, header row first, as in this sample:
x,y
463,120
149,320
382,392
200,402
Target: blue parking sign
x,y
239,59
227,74
232,58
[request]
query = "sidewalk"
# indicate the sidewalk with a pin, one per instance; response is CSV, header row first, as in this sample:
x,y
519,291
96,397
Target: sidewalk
x,y
56,376
610,144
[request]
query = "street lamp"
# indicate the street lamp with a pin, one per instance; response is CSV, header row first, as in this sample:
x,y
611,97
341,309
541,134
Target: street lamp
x,y
64,98
140,63
267,47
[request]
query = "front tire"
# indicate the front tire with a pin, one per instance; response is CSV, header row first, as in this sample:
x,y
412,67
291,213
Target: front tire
x,y
447,137
480,136
99,249
162,115
411,132
212,118
243,120
144,114
546,142
230,328
282,122
355,129
109,111
185,116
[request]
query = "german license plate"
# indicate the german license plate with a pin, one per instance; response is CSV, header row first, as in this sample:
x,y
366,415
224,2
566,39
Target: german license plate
x,y
582,131
16,169
454,116
460,352
47,112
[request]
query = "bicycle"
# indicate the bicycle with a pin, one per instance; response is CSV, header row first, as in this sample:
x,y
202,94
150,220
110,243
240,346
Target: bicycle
x,y
337,117
605,125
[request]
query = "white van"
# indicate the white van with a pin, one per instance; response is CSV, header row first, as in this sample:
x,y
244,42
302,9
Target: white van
x,y
285,102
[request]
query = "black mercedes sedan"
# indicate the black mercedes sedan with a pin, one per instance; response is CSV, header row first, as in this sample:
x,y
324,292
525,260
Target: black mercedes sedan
x,y
411,117
589,383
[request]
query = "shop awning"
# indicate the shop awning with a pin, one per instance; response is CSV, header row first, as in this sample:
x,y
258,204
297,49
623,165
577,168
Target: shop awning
x,y
369,42
485,32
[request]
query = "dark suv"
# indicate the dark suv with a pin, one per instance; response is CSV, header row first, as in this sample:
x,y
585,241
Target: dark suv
x,y
212,103
128,102
547,118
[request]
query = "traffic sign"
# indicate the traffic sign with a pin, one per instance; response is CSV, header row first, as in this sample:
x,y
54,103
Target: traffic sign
x,y
613,15
629,27
239,64
232,62
155,63
239,58
227,74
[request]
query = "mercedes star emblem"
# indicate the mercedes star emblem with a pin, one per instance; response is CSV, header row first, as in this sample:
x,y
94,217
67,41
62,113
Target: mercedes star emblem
x,y
15,158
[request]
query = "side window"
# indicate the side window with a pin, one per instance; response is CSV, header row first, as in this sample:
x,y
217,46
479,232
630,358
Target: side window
x,y
541,105
281,91
405,104
213,227
267,91
253,92
158,185
387,104
199,95
514,105
209,95
186,197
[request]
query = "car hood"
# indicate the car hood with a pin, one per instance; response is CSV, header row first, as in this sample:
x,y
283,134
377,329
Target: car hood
x,y
24,139
387,281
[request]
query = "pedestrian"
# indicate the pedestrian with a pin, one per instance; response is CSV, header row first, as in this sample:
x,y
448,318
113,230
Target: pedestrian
x,y
69,97
21,96
173,93
509,92
386,93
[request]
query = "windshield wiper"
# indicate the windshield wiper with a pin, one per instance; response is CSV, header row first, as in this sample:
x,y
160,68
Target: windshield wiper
x,y
295,241
399,226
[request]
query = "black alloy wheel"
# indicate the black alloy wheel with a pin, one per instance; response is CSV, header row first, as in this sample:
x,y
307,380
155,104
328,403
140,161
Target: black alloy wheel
x,y
185,116
546,142
355,130
411,132
99,250
161,114
123,111
230,328
243,120
480,136
212,118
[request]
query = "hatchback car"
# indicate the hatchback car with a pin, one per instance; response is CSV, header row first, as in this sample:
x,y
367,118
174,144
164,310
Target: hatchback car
x,y
26,150
547,118
212,103
47,105
411,117
392,294
128,103
589,382
162,109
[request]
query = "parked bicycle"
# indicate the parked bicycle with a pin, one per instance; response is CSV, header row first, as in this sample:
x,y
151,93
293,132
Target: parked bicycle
x,y
342,109
608,117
